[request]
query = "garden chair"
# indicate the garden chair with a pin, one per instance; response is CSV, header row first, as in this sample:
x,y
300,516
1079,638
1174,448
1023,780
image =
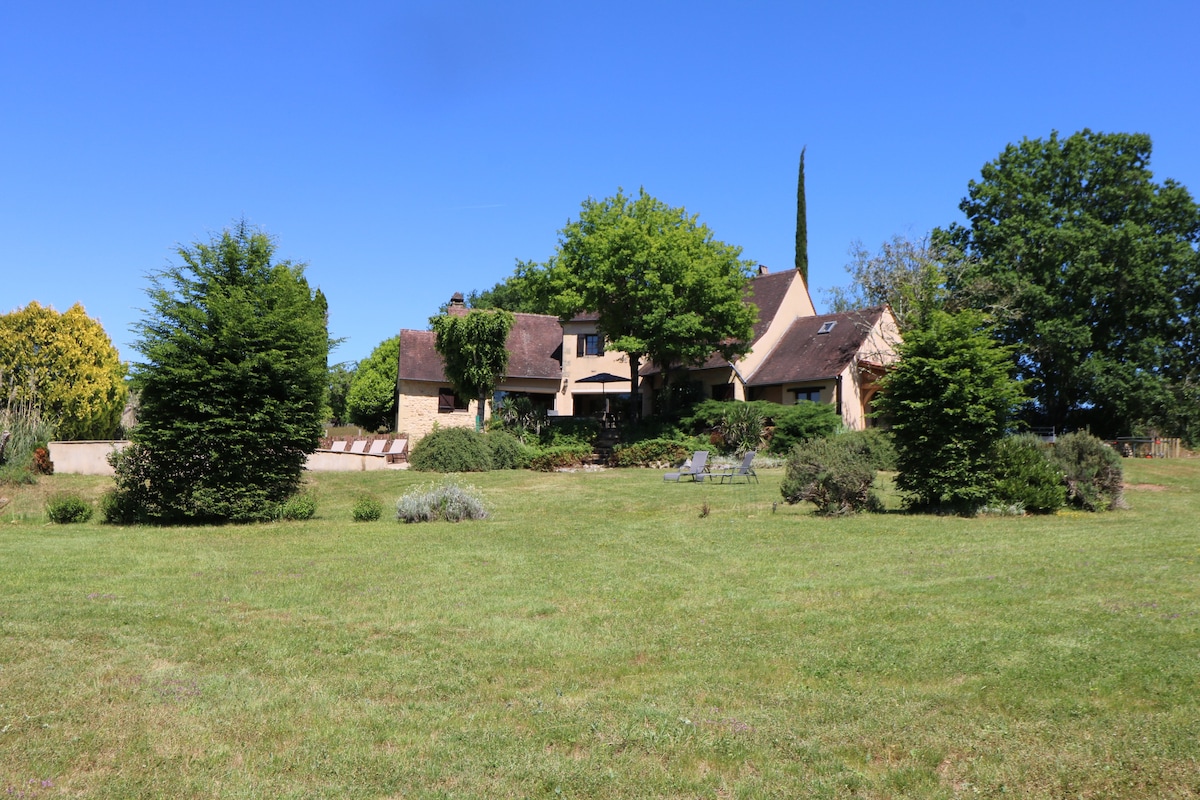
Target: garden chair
x,y
743,470
339,446
398,452
377,447
695,468
359,446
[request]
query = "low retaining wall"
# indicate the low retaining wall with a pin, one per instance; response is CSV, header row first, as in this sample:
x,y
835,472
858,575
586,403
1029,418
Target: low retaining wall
x,y
91,458
84,458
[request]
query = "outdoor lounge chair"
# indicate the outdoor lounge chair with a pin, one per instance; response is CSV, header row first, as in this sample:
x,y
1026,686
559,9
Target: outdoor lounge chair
x,y
695,468
359,446
339,446
743,470
398,452
377,447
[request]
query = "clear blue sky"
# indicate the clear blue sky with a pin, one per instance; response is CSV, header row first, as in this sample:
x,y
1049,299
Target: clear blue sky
x,y
408,150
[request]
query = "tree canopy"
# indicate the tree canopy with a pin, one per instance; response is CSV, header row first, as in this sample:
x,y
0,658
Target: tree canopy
x,y
474,352
66,366
909,275
1091,270
371,401
664,288
231,385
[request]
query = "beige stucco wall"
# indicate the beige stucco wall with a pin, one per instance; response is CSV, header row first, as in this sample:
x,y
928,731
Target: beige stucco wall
x,y
577,367
84,458
91,458
796,303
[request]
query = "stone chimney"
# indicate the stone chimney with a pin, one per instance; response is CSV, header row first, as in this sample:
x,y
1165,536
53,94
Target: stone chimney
x,y
763,269
457,306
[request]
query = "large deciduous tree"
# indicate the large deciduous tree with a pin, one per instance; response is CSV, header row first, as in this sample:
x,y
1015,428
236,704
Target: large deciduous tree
x,y
231,386
949,400
371,401
1091,270
663,287
474,352
65,365
909,275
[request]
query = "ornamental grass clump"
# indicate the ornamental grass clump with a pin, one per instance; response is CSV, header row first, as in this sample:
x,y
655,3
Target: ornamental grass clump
x,y
448,500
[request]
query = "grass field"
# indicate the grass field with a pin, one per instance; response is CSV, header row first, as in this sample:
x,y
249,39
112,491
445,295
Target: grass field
x,y
600,637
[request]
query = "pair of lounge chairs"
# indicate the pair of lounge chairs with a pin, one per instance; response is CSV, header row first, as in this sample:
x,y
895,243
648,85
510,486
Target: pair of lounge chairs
x,y
397,452
697,469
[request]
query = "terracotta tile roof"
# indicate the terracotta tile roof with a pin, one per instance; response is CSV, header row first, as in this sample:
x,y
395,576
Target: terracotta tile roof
x,y
803,354
534,351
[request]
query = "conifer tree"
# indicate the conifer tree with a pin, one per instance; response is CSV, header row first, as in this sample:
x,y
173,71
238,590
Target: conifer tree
x,y
801,224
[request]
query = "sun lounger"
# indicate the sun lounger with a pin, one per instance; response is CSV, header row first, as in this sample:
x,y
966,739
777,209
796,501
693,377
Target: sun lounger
x,y
743,470
695,468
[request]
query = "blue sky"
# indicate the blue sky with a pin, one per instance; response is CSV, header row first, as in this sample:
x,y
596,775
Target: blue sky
x,y
409,150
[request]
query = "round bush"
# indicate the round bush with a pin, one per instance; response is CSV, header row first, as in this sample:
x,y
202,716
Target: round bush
x,y
302,505
506,450
873,443
367,509
1093,472
1026,478
832,476
65,509
451,450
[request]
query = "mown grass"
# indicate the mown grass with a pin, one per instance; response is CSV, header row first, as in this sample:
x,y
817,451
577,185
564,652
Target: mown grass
x,y
599,637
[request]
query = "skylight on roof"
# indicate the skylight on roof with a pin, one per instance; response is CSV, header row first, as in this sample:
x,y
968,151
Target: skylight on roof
x,y
826,327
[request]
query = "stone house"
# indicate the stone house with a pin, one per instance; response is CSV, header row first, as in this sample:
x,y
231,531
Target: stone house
x,y
796,356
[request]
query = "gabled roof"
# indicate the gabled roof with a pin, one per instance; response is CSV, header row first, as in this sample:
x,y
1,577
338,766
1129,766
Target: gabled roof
x,y
534,351
804,354
767,291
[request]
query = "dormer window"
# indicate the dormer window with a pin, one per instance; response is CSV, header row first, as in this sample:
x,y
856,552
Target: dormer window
x,y
826,327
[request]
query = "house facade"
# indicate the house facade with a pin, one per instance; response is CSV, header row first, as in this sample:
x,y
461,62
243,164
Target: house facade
x,y
795,356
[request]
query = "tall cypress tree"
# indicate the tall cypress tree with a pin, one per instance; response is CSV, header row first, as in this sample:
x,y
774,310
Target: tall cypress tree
x,y
801,224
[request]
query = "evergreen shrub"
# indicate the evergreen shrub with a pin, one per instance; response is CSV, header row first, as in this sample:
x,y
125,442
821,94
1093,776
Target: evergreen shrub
x,y
833,476
649,453
449,501
367,509
1026,478
874,443
451,450
65,509
802,422
1094,476
302,505
506,450
548,459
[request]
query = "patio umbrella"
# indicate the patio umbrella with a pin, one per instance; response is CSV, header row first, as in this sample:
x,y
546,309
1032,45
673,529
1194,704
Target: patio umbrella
x,y
603,378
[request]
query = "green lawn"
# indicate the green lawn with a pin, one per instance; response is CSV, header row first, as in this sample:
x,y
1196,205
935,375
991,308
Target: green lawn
x,y
599,637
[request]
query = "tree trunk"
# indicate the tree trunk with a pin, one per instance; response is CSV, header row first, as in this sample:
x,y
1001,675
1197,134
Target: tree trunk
x,y
479,413
635,396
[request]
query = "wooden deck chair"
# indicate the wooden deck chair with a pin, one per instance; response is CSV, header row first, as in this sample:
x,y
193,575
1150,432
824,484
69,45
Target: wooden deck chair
x,y
398,452
695,468
359,446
